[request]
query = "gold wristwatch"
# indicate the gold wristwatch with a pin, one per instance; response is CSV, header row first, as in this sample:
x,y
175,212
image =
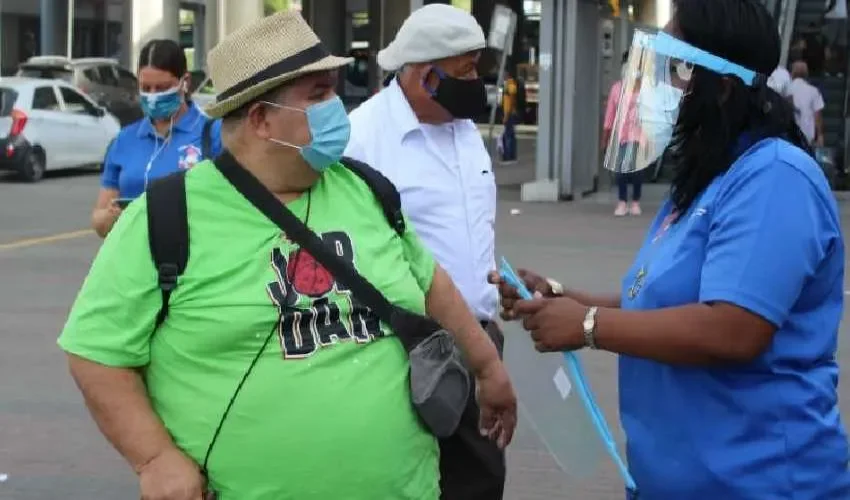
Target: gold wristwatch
x,y
557,288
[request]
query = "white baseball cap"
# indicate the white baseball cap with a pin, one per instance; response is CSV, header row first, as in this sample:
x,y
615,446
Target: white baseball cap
x,y
433,32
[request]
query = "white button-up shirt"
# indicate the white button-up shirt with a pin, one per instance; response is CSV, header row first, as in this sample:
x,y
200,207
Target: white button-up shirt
x,y
445,178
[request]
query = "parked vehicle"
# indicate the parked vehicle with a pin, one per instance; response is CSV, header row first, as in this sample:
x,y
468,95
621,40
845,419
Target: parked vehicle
x,y
102,79
49,125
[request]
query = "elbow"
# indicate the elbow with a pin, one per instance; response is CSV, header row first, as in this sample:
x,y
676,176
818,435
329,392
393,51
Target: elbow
x,y
741,352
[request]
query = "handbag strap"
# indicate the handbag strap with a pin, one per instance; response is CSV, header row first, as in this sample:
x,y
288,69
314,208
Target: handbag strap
x,y
264,201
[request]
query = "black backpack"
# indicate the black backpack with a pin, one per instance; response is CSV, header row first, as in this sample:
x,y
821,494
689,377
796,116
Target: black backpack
x,y
168,224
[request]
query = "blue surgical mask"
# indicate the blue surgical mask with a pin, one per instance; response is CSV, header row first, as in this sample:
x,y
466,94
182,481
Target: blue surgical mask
x,y
329,133
658,109
161,105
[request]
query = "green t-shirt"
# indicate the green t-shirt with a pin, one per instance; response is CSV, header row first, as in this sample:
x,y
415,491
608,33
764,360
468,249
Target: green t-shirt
x,y
326,412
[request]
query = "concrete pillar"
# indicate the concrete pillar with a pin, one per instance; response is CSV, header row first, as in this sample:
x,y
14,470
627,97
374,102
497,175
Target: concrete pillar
x,y
567,137
151,19
199,39
211,24
48,21
233,14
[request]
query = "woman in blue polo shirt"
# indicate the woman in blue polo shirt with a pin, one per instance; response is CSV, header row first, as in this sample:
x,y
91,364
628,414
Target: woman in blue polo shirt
x,y
170,137
728,319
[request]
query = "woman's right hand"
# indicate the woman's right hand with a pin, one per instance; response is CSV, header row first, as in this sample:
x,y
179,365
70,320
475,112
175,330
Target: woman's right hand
x,y
104,218
535,283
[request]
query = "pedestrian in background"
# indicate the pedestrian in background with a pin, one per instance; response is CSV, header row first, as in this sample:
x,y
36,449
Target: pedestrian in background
x,y
304,392
510,118
627,138
808,104
727,321
172,136
418,132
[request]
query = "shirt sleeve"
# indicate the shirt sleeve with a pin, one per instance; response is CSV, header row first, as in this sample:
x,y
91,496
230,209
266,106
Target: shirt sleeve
x,y
766,239
113,317
422,263
611,107
111,169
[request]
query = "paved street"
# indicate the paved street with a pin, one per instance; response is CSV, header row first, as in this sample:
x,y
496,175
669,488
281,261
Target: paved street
x,y
49,448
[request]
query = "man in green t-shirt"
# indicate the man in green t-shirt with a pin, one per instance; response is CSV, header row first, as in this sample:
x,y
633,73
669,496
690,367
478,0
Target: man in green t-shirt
x,y
325,412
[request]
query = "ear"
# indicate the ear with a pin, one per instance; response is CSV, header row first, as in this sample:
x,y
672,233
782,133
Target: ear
x,y
185,82
258,120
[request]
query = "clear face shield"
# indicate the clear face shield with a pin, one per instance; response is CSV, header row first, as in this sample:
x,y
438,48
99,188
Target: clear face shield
x,y
656,78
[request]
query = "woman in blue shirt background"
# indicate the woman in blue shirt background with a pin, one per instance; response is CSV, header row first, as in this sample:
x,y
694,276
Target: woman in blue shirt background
x,y
169,138
727,321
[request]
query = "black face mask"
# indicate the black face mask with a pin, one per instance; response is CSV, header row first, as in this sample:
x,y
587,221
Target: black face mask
x,y
461,98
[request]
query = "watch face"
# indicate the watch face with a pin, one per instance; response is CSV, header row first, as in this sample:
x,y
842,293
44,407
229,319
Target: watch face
x,y
587,324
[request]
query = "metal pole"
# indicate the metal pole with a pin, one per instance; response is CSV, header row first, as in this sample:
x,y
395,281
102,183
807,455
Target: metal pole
x,y
500,82
70,33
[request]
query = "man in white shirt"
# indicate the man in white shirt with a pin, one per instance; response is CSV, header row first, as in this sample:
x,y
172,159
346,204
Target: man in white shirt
x,y
418,132
808,104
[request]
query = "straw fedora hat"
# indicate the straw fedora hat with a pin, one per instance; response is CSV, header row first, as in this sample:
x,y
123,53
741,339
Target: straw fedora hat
x,y
263,55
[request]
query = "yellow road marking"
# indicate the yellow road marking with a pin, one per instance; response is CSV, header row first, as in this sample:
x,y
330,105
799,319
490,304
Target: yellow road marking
x,y
43,240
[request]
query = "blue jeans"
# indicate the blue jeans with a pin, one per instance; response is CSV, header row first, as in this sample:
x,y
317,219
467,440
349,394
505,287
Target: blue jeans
x,y
509,152
633,178
623,181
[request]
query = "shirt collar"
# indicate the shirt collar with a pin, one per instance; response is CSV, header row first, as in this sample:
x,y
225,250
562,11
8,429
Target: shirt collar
x,y
187,123
400,111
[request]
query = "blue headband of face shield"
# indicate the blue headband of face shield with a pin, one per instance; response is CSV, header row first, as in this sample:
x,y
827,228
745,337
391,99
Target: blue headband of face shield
x,y
664,44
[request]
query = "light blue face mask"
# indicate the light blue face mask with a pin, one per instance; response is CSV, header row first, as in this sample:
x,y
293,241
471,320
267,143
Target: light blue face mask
x,y
161,105
329,132
658,110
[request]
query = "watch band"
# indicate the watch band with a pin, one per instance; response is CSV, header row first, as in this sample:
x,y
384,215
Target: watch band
x,y
589,327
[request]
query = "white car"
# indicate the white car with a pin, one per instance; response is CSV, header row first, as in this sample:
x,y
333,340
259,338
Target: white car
x,y
50,125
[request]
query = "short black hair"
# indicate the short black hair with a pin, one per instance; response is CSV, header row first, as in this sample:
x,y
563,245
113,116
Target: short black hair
x,y
165,55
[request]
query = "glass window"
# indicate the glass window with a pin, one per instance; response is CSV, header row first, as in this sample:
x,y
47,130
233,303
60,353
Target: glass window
x,y
7,100
92,75
107,76
76,103
126,79
44,98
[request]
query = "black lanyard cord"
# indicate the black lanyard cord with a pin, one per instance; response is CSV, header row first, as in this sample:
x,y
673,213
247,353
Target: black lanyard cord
x,y
254,361
235,394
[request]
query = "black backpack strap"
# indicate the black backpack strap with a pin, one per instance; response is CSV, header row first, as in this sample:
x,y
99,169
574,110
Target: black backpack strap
x,y
206,140
168,233
384,190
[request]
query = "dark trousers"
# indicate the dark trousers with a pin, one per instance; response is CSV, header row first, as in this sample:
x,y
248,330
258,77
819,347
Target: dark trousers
x,y
509,151
472,467
623,181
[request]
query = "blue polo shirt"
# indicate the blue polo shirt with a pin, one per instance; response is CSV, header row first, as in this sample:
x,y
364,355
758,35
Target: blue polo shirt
x,y
766,237
138,146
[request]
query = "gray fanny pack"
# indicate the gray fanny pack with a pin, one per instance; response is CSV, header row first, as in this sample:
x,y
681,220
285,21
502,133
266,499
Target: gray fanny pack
x,y
440,385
